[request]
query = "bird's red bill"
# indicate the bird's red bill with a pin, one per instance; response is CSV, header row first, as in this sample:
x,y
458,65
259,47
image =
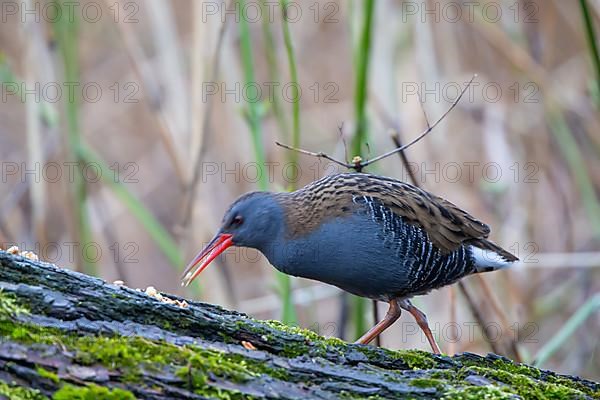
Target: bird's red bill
x,y
219,244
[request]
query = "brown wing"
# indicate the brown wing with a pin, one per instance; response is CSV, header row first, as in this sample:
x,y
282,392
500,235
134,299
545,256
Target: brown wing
x,y
447,225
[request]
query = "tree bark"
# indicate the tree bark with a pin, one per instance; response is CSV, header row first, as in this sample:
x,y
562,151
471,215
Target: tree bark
x,y
65,335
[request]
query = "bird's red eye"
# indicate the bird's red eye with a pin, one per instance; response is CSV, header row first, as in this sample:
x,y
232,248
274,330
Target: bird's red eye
x,y
237,220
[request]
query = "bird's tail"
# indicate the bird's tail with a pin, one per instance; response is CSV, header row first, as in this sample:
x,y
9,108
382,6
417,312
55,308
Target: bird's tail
x,y
490,257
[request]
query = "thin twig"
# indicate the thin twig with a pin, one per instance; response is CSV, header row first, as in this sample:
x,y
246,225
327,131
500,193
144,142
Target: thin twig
x,y
422,135
319,155
358,166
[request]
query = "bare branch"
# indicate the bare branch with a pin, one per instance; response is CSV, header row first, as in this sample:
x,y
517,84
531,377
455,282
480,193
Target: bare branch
x,y
319,155
422,135
357,164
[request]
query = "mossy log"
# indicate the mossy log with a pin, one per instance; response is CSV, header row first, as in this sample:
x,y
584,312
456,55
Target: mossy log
x,y
65,335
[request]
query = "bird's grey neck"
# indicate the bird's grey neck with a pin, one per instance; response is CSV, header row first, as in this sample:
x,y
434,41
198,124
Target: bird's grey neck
x,y
274,244
271,226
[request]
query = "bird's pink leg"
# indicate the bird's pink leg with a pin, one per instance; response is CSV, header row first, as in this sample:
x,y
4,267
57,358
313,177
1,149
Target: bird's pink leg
x,y
391,316
421,319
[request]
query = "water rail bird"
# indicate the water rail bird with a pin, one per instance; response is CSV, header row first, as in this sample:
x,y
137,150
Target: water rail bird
x,y
372,236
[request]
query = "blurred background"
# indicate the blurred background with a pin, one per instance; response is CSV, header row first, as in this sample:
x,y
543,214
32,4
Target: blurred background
x,y
128,127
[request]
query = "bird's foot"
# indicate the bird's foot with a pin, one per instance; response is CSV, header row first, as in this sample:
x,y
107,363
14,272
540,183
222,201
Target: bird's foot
x,y
421,319
390,317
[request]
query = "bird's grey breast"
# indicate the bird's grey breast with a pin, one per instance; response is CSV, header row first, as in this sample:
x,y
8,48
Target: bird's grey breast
x,y
364,252
372,252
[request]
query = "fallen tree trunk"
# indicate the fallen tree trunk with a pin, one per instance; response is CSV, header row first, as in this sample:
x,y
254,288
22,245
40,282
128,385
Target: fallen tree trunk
x,y
65,335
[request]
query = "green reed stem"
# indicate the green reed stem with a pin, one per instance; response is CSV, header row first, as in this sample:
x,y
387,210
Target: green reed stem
x,y
567,330
253,113
13,84
362,56
152,226
591,37
66,32
361,83
570,150
253,117
285,282
289,48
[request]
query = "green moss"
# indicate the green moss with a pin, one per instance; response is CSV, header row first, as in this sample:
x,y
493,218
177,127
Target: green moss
x,y
417,359
19,333
91,392
294,350
523,384
129,354
313,344
196,366
44,373
369,352
225,338
428,383
9,306
336,343
196,376
254,328
525,370
120,351
514,368
351,396
559,380
478,393
204,362
522,376
414,359
19,393
294,330
306,333
320,348
443,374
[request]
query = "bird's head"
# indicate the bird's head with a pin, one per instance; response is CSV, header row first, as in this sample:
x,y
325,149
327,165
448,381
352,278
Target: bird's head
x,y
254,220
